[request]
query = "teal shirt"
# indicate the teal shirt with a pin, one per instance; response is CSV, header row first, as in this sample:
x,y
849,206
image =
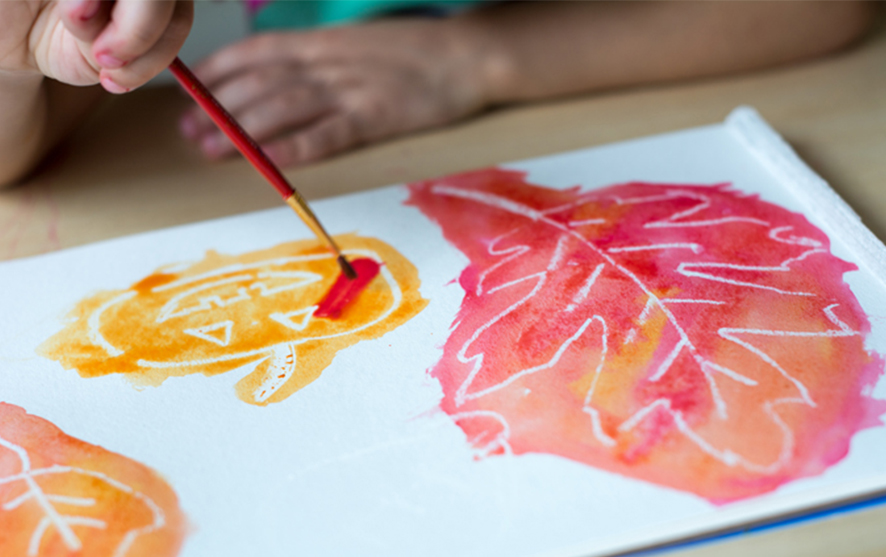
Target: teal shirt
x,y
305,14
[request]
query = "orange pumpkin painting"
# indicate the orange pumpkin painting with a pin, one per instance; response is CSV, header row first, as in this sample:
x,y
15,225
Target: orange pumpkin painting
x,y
62,496
257,311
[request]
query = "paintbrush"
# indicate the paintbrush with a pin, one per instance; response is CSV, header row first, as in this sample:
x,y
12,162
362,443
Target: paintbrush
x,y
254,154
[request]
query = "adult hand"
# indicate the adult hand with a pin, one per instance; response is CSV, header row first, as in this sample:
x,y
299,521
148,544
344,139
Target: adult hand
x,y
119,44
305,96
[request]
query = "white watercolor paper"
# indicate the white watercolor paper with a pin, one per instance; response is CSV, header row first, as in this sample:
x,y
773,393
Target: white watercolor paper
x,y
362,461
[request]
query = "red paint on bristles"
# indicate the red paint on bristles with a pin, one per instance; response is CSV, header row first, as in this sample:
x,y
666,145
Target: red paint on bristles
x,y
244,143
345,290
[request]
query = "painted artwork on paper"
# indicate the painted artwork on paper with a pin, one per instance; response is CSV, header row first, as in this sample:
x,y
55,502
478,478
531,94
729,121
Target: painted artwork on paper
x,y
278,310
695,337
63,496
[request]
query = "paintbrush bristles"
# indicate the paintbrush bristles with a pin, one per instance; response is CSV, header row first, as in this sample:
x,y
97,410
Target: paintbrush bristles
x,y
346,267
300,206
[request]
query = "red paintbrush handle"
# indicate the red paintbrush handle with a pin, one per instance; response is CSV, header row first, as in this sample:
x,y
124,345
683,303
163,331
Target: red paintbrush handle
x,y
256,156
231,128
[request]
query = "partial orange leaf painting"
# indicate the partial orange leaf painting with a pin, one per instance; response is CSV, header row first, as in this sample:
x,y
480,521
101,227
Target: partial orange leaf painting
x,y
62,496
228,312
692,336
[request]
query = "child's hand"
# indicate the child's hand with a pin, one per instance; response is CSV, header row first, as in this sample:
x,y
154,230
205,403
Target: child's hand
x,y
304,96
119,44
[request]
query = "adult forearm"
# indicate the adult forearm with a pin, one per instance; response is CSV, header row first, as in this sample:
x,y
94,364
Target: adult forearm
x,y
544,49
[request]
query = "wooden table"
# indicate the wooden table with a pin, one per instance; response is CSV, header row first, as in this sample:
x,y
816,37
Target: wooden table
x,y
128,171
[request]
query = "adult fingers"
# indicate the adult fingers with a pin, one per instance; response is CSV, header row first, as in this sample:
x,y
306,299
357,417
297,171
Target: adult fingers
x,y
289,110
85,19
326,137
140,70
135,28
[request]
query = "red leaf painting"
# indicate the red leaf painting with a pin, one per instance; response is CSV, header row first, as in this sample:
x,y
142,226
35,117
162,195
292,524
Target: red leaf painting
x,y
691,336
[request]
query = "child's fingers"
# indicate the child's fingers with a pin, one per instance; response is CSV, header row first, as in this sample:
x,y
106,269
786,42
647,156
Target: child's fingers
x,y
85,19
252,89
328,136
135,28
141,69
255,85
235,95
265,49
287,110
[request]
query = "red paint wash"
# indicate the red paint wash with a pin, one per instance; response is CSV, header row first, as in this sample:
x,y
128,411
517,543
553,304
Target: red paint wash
x,y
695,337
345,290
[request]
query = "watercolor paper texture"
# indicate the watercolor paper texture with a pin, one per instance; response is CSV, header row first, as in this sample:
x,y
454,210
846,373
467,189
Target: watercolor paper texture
x,y
573,355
